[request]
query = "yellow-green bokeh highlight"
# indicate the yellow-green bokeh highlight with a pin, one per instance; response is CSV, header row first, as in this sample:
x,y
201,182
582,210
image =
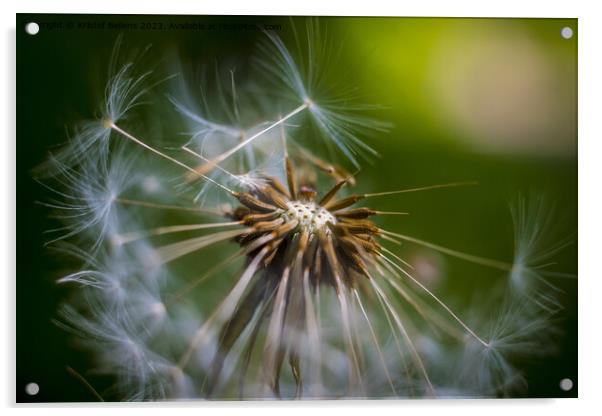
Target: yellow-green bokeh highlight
x,y
493,85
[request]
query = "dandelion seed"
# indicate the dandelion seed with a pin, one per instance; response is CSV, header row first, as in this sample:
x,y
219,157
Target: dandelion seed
x,y
516,331
338,121
534,225
88,196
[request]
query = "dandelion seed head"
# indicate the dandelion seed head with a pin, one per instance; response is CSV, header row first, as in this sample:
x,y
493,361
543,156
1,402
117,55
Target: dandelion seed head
x,y
318,290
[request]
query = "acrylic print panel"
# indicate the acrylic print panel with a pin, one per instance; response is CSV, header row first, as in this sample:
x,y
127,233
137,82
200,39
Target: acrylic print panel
x,y
231,207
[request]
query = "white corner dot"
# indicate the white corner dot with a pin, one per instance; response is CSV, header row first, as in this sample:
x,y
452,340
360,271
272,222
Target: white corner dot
x,y
32,28
566,32
566,384
32,389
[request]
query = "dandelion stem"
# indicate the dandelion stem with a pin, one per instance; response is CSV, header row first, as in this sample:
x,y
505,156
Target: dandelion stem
x,y
234,96
386,237
215,161
312,329
405,334
211,272
355,374
390,213
198,155
174,251
375,340
225,308
439,301
274,335
422,188
405,263
431,316
387,313
495,264
85,382
283,139
163,155
136,235
147,204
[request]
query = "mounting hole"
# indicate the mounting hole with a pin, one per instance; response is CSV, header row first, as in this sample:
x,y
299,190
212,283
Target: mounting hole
x,y
32,389
32,28
566,32
566,384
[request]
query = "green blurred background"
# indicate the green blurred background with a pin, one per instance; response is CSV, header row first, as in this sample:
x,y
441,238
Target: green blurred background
x,y
491,100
